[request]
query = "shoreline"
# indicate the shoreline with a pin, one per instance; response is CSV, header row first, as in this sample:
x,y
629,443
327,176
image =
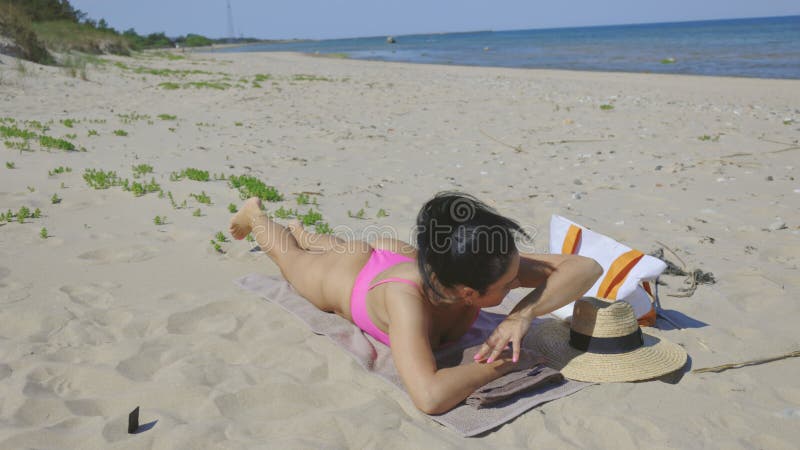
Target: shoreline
x,y
114,310
347,57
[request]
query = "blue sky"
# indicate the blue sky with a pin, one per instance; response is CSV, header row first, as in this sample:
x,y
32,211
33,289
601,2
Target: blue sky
x,y
321,19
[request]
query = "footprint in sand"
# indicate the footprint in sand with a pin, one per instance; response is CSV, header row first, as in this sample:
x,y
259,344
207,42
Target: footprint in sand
x,y
95,295
136,253
213,318
41,412
74,382
5,371
152,357
12,291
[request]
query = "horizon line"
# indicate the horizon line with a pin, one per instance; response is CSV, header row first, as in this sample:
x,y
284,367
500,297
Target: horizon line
x,y
427,33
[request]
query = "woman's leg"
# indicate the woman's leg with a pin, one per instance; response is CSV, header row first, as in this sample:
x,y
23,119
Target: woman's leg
x,y
313,242
311,274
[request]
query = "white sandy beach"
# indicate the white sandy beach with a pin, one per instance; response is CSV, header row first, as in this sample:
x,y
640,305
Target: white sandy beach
x,y
112,311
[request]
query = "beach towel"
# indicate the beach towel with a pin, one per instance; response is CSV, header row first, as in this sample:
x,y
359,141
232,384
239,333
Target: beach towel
x,y
376,357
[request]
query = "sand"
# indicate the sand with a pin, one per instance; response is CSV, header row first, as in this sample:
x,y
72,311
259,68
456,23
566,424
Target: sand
x,y
112,311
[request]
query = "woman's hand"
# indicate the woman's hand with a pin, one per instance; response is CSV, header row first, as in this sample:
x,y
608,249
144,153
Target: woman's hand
x,y
510,331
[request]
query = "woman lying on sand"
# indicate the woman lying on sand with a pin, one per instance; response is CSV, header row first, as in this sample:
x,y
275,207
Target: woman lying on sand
x,y
466,259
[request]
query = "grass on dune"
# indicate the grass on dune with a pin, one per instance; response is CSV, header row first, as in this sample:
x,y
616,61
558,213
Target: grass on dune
x,y
15,24
66,36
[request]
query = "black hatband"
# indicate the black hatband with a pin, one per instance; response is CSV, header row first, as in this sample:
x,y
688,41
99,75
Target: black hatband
x,y
606,345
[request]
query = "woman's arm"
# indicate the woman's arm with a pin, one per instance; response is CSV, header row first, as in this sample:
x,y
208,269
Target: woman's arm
x,y
433,391
558,279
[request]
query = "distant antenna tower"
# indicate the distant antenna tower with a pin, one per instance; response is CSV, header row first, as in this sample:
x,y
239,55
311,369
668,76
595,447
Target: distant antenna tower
x,y
231,34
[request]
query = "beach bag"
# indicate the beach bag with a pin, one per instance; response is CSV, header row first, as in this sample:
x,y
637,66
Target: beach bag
x,y
627,273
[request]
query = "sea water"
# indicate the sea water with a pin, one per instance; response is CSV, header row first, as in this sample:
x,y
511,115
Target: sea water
x,y
760,47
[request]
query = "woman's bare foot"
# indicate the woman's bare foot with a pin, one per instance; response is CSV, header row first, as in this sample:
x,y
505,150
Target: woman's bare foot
x,y
242,221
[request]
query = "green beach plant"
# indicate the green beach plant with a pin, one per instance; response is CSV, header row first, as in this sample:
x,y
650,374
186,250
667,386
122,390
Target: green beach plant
x,y
167,117
190,173
142,169
232,208
606,107
51,142
160,220
14,131
302,198
220,237
10,165
93,133
283,213
59,170
706,137
253,187
202,198
172,200
197,212
218,85
132,117
357,215
21,146
55,199
23,214
100,179
382,213
306,77
322,228
310,218
120,133
43,233
140,189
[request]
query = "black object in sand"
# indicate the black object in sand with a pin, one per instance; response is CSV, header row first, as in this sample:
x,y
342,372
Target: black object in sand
x,y
133,421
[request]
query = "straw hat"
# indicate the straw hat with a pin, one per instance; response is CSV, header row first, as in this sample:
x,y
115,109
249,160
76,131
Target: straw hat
x,y
604,344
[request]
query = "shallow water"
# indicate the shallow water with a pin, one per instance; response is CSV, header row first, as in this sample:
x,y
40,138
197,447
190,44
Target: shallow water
x,y
760,48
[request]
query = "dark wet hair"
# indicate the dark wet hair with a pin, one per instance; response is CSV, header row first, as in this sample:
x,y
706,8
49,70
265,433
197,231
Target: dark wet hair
x,y
463,241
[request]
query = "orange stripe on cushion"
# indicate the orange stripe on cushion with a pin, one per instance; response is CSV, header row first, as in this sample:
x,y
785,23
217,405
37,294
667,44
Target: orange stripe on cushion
x,y
647,288
571,241
617,273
